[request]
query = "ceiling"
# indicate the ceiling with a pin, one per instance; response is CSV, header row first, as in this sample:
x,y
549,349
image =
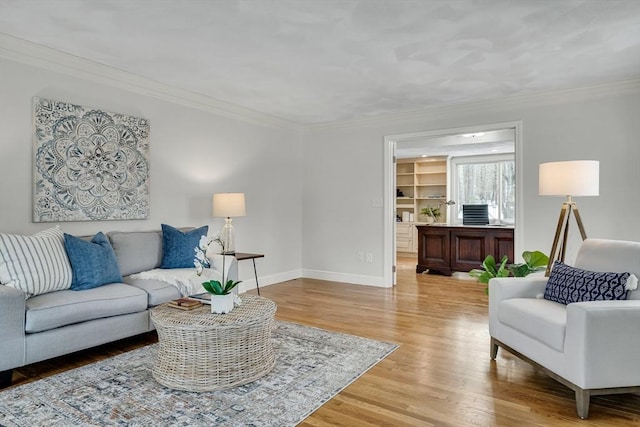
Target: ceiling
x,y
468,144
313,61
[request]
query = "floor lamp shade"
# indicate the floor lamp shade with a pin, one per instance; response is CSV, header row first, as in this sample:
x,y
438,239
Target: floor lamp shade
x,y
570,178
228,205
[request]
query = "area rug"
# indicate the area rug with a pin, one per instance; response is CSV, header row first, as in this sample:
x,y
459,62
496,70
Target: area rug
x,y
312,366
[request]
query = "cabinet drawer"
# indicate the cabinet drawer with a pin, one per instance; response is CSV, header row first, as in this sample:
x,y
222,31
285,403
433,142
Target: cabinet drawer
x,y
404,245
403,230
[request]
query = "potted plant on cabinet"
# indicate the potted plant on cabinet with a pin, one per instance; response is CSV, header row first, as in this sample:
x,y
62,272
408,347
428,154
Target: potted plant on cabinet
x,y
432,213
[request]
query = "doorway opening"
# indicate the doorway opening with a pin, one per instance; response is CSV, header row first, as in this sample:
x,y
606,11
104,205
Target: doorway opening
x,y
487,145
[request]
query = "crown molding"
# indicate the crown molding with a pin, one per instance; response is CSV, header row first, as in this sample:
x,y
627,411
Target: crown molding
x,y
538,99
29,53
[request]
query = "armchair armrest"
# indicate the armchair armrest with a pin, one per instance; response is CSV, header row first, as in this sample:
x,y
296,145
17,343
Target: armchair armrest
x,y
516,287
12,318
511,287
603,343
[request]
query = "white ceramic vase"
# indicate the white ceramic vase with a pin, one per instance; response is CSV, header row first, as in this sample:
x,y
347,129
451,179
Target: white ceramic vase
x,y
221,304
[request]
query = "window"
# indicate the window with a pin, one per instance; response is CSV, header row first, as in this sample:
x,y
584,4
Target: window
x,y
487,180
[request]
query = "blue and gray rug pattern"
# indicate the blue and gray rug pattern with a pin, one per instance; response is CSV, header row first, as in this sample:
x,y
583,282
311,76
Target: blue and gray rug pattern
x,y
312,366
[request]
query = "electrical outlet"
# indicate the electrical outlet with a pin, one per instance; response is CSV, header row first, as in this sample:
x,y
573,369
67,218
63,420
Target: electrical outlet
x,y
369,257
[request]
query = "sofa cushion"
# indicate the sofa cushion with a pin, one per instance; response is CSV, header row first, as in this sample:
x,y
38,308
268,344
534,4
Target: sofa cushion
x,y
178,247
93,263
67,307
158,291
136,251
35,264
568,284
542,320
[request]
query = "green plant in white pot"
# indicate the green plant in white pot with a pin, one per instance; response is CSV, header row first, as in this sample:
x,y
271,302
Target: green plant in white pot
x,y
222,297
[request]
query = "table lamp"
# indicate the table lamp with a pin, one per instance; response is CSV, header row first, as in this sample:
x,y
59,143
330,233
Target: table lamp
x,y
570,178
227,205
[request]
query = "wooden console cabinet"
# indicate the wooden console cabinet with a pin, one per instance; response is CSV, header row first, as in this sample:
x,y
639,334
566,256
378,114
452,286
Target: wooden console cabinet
x,y
446,249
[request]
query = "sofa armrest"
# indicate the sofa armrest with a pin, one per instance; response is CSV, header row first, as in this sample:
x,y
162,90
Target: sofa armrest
x,y
230,265
603,343
12,315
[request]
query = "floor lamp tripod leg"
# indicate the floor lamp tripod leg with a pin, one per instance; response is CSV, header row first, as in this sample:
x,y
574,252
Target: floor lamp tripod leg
x,y
562,225
583,234
565,235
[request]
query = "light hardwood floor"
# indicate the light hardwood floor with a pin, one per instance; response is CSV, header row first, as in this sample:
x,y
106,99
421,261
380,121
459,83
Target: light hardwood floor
x,y
440,376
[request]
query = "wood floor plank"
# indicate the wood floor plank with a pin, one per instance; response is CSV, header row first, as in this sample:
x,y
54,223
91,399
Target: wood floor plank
x,y
441,375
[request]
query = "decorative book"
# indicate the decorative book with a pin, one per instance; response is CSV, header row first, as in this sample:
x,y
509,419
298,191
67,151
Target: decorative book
x,y
184,303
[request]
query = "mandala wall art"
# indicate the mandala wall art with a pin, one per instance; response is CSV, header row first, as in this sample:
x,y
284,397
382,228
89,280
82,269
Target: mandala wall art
x,y
89,165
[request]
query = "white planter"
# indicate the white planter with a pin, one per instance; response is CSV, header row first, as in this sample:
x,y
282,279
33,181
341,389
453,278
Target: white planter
x,y
221,304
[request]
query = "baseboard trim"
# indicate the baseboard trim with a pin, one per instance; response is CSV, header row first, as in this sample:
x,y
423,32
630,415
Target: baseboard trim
x,y
271,279
354,279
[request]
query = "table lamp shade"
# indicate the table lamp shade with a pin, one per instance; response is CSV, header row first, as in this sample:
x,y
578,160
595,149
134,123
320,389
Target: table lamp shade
x,y
228,205
570,178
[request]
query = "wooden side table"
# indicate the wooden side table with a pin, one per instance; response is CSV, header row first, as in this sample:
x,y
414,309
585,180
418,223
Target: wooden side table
x,y
240,256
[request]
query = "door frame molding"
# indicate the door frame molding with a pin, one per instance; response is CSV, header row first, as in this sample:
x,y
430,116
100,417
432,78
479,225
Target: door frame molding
x,y
389,239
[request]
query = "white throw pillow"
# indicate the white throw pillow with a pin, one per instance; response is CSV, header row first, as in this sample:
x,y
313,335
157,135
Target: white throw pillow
x,y
35,264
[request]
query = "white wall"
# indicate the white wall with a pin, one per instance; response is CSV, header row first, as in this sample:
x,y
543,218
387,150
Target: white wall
x,y
343,173
194,153
314,200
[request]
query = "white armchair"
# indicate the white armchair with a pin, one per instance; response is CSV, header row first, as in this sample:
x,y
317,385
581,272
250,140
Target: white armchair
x,y
591,347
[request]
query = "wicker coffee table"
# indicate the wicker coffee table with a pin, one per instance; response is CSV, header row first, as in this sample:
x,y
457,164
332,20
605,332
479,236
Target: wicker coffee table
x,y
201,351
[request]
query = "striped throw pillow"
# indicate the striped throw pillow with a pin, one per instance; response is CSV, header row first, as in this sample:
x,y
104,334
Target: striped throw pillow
x,y
35,264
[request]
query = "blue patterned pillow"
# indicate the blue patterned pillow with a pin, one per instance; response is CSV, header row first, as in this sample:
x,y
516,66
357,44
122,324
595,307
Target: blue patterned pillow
x,y
93,263
567,284
178,246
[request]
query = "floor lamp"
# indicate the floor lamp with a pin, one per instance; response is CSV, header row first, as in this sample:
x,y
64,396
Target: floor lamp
x,y
227,205
571,178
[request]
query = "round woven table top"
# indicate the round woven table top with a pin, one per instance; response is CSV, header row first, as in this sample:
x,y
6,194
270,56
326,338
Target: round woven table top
x,y
253,308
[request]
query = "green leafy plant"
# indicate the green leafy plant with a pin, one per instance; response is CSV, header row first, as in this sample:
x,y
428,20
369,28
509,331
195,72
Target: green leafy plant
x,y
433,212
533,261
491,269
216,288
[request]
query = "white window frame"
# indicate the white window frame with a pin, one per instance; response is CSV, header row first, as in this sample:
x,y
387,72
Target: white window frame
x,y
466,160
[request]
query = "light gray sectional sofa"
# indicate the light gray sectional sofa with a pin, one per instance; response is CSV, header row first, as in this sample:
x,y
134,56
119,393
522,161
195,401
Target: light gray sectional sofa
x,y
61,322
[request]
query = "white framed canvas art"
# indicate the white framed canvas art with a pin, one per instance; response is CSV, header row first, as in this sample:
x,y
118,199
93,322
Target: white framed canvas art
x,y
90,165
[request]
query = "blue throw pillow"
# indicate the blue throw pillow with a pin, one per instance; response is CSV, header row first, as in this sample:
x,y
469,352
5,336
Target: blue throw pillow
x,y
178,246
93,263
568,284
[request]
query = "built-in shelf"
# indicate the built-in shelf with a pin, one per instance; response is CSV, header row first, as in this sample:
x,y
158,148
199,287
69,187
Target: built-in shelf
x,y
422,183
